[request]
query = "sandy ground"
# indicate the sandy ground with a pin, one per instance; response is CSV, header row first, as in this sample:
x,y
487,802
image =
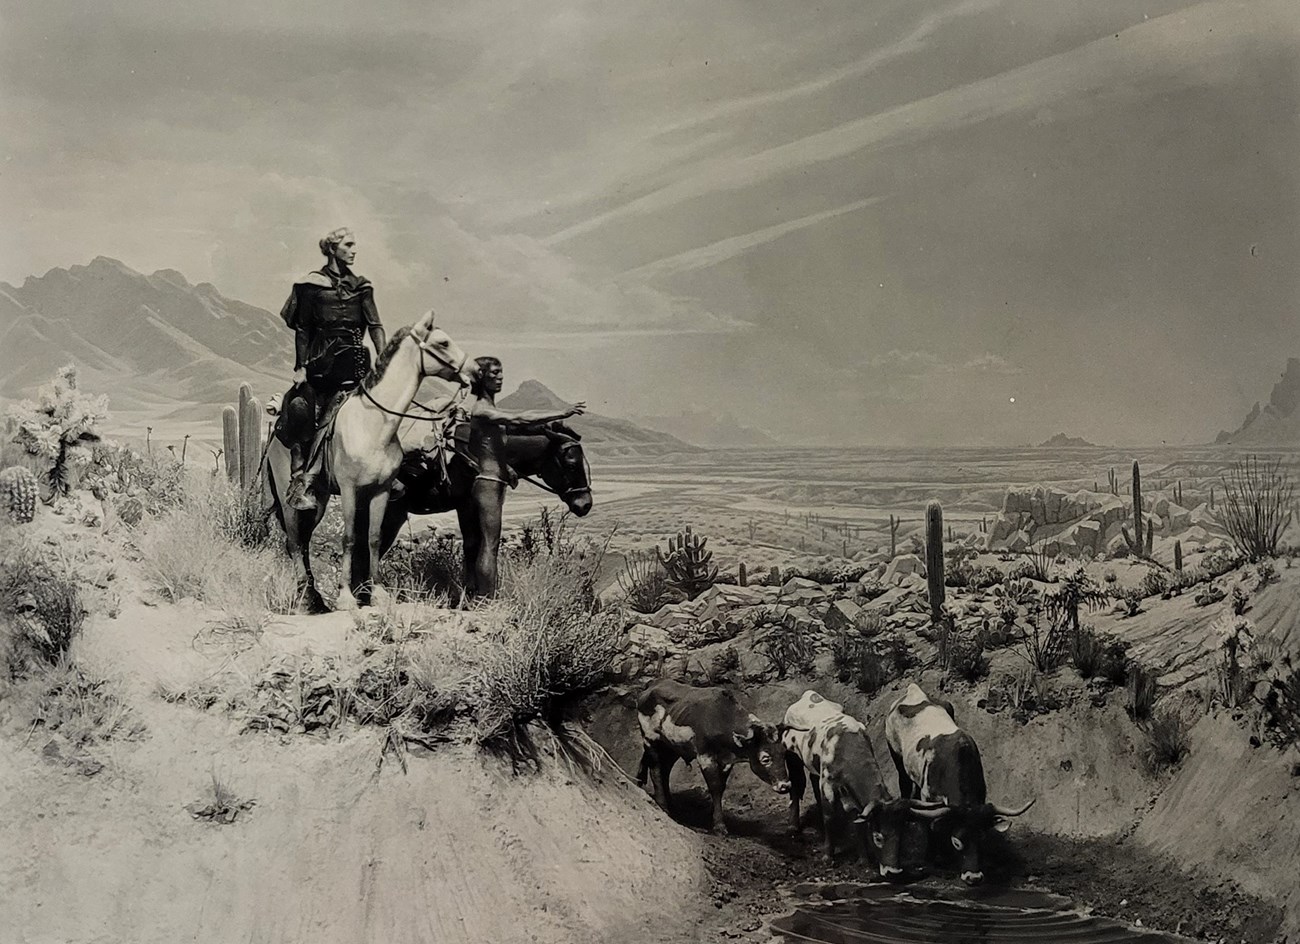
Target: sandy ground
x,y
335,849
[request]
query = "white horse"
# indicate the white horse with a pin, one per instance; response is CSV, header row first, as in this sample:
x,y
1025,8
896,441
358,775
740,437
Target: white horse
x,y
362,456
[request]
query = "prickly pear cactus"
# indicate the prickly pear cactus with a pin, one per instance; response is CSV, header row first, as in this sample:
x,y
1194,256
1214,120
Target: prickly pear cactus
x,y
18,488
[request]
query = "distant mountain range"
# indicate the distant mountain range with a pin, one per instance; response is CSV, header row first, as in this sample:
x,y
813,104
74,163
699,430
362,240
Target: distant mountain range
x,y
607,435
710,430
1062,441
165,350
1277,422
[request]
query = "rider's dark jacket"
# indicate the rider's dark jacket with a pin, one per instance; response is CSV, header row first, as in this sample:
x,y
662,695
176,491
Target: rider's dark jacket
x,y
330,315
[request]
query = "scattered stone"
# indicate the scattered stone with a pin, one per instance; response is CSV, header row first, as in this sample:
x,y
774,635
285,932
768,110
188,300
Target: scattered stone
x,y
842,615
900,566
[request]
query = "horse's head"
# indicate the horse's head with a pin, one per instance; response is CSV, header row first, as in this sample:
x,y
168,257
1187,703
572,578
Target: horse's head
x,y
564,468
440,356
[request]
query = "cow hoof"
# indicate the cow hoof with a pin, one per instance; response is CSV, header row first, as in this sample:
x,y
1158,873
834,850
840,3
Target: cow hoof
x,y
345,601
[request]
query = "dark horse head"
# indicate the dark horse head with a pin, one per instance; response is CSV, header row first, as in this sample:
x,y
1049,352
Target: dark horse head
x,y
554,454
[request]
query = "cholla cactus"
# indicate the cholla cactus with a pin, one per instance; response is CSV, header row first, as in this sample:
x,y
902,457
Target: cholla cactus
x,y
18,486
688,564
59,427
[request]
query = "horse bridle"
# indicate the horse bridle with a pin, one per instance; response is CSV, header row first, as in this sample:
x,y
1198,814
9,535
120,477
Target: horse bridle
x,y
431,414
566,445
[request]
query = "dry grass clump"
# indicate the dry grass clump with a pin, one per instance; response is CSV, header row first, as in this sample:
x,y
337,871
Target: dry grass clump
x,y
555,643
222,806
1169,739
425,566
202,548
79,710
41,605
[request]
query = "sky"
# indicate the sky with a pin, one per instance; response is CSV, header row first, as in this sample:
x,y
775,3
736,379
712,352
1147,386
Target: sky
x,y
913,222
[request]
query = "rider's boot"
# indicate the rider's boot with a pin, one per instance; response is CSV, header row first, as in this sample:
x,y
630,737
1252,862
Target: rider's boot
x,y
300,497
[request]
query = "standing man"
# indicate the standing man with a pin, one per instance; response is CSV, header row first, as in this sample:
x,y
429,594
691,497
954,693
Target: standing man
x,y
331,311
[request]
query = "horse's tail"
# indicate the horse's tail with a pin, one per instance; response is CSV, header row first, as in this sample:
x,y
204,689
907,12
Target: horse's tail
x,y
271,501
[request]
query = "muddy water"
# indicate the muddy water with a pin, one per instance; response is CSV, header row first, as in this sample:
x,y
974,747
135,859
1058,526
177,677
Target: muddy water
x,y
877,914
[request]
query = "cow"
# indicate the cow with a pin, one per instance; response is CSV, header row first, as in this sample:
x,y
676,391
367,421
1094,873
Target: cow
x,y
833,750
939,762
710,725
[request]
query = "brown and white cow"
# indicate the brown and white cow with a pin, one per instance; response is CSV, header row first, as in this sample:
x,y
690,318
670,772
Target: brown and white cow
x,y
937,761
708,725
833,750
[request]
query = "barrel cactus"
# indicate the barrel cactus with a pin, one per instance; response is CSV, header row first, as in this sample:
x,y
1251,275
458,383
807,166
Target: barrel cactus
x,y
18,487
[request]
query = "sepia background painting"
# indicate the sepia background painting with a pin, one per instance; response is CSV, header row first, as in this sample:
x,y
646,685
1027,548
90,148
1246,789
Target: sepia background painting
x,y
940,341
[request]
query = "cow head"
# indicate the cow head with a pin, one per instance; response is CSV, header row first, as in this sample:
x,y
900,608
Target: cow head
x,y
966,827
761,743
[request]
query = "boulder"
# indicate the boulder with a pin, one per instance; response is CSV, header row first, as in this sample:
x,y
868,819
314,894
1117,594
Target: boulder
x,y
901,566
842,615
732,596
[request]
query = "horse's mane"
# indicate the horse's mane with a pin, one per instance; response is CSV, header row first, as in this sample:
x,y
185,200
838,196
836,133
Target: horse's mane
x,y
564,429
386,356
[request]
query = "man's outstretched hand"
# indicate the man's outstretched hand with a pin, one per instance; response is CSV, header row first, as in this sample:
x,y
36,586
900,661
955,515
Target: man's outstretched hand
x,y
577,409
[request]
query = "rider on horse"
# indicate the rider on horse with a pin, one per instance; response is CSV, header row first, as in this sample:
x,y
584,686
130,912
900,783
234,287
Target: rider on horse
x,y
331,310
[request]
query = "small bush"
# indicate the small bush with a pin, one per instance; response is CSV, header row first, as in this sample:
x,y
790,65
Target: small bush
x,y
725,666
644,582
1110,577
1132,601
1154,584
1168,739
555,643
1212,594
81,709
425,566
1044,648
1141,691
1217,563
1265,574
785,647
962,655
1240,599
222,806
1282,703
41,604
1099,655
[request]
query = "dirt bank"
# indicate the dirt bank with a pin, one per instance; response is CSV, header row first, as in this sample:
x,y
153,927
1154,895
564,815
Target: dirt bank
x,y
334,849
1210,849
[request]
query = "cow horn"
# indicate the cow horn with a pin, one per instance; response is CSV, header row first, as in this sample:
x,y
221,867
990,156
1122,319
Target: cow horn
x,y
928,810
1010,812
866,814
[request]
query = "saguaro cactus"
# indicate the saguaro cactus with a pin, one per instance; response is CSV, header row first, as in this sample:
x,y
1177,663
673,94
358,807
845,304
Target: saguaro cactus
x,y
1134,541
18,488
1151,536
1178,555
688,564
250,436
742,576
230,442
934,558
893,536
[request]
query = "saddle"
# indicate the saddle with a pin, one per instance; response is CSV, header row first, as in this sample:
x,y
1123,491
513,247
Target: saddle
x,y
424,477
326,411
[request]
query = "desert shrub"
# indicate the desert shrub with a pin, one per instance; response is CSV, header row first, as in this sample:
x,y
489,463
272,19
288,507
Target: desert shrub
x,y
1257,506
1219,562
189,551
1044,646
1240,599
786,647
297,695
1141,691
1181,580
1168,739
966,573
41,606
1024,569
1110,578
1212,593
834,574
875,661
1281,703
962,655
427,565
1131,601
844,645
644,583
1235,677
725,665
1265,574
1154,584
130,481
1099,655
555,642
1076,590
80,709
1024,692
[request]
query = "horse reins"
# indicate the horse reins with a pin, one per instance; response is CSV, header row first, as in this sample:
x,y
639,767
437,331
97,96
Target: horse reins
x,y
542,485
456,399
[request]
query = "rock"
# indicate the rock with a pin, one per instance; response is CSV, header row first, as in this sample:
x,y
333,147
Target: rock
x,y
900,566
647,638
888,601
795,584
734,597
842,615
